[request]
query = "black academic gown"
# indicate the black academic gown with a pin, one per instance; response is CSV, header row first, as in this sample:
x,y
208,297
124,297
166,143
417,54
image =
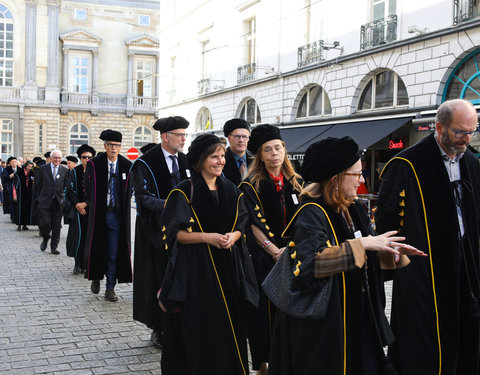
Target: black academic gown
x,y
230,170
267,213
340,342
96,185
152,184
429,307
207,291
23,206
7,190
77,229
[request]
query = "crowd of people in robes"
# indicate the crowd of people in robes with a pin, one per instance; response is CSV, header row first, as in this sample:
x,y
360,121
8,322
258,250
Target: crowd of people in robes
x,y
236,251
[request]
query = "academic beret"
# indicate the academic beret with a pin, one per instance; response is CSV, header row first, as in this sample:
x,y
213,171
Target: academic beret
x,y
40,162
328,157
36,158
111,135
262,134
147,147
167,124
199,145
72,158
235,123
11,158
47,154
85,148
63,162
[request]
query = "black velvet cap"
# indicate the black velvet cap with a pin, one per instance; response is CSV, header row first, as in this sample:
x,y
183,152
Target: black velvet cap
x,y
235,123
328,157
199,145
40,162
47,154
262,134
167,124
36,158
86,148
147,147
111,135
72,158
63,162
11,158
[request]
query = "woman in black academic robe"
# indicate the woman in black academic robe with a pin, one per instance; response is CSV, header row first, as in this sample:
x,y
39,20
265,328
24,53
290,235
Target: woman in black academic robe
x,y
271,189
23,183
334,241
75,192
209,284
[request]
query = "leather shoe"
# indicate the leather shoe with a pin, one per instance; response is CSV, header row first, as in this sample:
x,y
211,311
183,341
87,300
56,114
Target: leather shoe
x,y
19,228
25,227
95,287
43,245
110,295
77,270
55,251
156,339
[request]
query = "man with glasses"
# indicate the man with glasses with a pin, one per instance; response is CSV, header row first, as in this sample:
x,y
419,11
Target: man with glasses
x,y
154,174
48,194
237,158
107,244
430,193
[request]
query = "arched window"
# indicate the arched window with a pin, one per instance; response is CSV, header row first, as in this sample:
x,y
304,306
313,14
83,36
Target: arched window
x,y
142,136
315,102
6,136
78,136
384,90
250,112
204,119
6,46
464,82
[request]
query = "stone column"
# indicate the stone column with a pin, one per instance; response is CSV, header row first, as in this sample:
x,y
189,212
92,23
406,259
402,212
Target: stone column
x,y
130,79
95,104
157,76
64,94
30,91
52,90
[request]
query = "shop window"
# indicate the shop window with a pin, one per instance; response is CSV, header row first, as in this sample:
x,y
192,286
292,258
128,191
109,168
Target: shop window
x,y
315,102
464,81
384,90
78,136
141,136
250,112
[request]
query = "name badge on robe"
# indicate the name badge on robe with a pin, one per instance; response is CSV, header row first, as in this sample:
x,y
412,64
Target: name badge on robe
x,y
124,176
294,198
358,234
57,176
187,172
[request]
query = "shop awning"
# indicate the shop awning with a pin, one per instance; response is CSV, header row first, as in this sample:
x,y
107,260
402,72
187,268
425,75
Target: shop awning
x,y
365,133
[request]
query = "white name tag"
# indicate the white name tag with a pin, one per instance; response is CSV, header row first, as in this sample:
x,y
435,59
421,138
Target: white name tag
x,y
358,234
187,171
58,176
294,198
124,176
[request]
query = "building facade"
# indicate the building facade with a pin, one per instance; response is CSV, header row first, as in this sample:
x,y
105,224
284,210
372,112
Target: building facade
x,y
372,69
70,69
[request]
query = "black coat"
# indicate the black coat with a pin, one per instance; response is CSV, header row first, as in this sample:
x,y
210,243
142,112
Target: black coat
x,y
23,206
230,170
151,186
96,188
7,190
429,308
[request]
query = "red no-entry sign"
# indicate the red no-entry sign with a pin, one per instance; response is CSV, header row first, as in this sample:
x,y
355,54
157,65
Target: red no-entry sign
x,y
132,153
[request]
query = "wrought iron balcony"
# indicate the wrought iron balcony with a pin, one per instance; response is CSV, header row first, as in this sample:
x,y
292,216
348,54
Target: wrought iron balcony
x,y
204,86
310,53
378,32
464,10
246,73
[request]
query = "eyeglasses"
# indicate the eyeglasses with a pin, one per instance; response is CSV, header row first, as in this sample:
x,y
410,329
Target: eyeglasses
x,y
86,157
462,134
358,175
179,135
113,145
238,137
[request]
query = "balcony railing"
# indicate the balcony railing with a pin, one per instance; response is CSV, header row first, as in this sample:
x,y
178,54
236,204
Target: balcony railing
x,y
378,32
76,98
310,53
464,10
10,93
204,86
142,102
246,73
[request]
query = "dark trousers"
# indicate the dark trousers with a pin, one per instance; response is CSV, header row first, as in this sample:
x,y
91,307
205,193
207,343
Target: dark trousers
x,y
50,220
113,232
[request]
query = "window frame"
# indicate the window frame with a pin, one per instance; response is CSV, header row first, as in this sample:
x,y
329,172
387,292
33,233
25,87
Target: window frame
x,y
256,115
307,104
8,143
140,15
71,77
7,62
76,12
143,141
144,59
72,148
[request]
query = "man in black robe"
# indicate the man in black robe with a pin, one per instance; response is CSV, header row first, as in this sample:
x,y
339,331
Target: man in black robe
x,y
237,157
108,233
23,181
7,177
431,194
153,178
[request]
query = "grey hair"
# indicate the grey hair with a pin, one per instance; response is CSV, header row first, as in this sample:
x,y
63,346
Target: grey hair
x,y
445,111
56,152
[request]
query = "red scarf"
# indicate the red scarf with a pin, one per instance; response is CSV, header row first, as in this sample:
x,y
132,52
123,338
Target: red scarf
x,y
26,177
278,181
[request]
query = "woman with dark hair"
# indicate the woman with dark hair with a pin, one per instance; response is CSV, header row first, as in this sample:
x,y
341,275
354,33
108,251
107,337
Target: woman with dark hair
x,y
23,182
334,246
75,192
271,188
209,284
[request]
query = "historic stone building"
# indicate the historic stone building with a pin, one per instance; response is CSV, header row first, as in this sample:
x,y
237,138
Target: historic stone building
x,y
372,69
72,68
